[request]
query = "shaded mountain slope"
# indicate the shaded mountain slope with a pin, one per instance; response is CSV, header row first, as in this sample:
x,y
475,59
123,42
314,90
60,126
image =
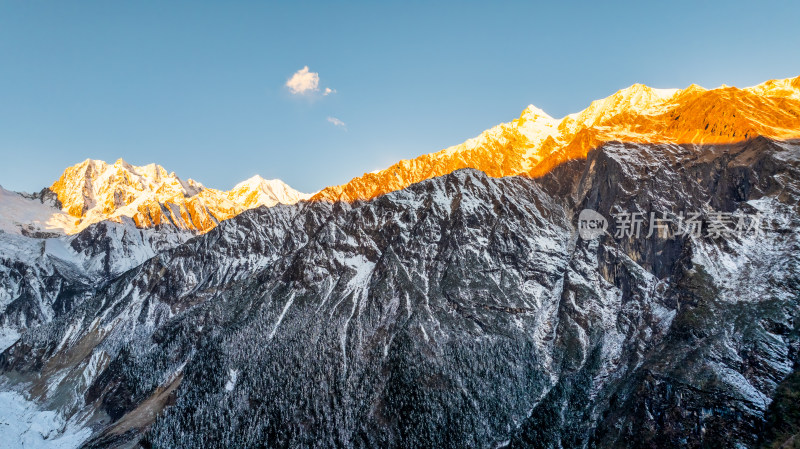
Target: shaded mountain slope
x,y
462,311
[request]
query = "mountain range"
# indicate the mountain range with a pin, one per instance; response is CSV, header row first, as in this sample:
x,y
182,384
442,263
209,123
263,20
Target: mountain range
x,y
149,196
94,191
446,301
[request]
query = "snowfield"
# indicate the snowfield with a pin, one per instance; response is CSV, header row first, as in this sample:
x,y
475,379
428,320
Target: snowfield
x,y
24,426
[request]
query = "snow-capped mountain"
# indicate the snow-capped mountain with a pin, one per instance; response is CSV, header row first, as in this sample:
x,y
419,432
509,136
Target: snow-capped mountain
x,y
43,278
535,142
463,311
94,191
454,305
33,214
97,221
258,191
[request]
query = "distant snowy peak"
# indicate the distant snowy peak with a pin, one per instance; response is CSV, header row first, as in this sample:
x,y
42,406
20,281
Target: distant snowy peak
x,y
21,214
147,196
258,191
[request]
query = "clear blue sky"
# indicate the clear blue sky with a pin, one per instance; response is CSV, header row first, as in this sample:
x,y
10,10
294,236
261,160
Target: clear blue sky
x,y
199,87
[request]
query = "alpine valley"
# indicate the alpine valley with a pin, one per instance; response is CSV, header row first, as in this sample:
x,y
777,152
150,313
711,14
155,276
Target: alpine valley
x,y
448,301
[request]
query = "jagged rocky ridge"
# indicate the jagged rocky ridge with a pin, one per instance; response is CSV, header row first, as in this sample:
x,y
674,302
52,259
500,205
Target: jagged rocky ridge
x,y
44,277
463,311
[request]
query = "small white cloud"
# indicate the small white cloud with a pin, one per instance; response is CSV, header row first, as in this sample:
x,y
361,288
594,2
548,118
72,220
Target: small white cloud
x,y
337,122
303,81
328,91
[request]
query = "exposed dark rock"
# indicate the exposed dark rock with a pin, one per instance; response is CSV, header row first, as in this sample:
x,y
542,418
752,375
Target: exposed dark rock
x,y
463,311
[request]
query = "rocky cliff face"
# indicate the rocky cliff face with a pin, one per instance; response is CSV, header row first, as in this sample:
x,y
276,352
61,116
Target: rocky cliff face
x,y
43,278
462,311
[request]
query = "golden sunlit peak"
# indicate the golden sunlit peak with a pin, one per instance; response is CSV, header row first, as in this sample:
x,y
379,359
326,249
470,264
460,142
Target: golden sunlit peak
x,y
531,146
536,142
94,191
533,112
